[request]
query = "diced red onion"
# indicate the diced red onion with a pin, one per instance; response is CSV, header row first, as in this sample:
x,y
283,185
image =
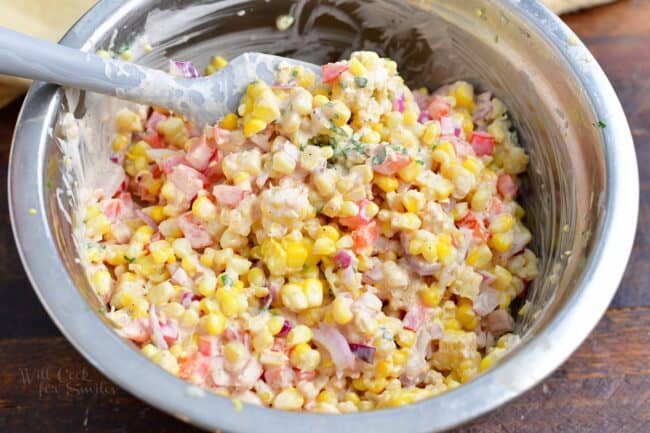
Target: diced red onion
x,y
188,297
363,352
400,103
421,267
447,126
286,327
487,301
336,345
415,317
156,331
343,259
146,219
457,132
182,69
423,117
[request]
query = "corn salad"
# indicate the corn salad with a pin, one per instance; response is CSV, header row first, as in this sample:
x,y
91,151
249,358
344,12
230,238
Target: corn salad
x,y
339,243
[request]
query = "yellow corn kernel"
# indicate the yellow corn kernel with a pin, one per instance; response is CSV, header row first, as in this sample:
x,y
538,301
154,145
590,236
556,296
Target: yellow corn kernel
x,y
480,199
204,209
275,324
405,338
377,385
262,340
431,133
266,111
392,119
320,100
149,350
127,121
371,137
431,296
340,113
502,223
102,282
503,278
409,117
324,247
411,171
229,122
234,351
219,62
209,70
189,318
283,163
463,92
252,126
348,209
256,277
386,183
288,399
304,358
413,200
384,368
230,301
208,305
296,253
166,360
293,297
313,290
405,221
98,225
501,242
329,232
206,285
121,142
341,311
444,250
356,68
473,164
274,256
400,356
327,396
466,315
214,323
415,246
352,397
479,256
371,209
299,334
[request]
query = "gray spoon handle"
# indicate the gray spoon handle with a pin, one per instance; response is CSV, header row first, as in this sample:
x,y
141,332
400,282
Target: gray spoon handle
x,y
25,56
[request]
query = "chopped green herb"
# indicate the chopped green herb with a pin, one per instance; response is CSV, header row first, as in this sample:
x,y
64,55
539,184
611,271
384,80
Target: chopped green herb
x,y
294,73
226,280
343,84
336,129
600,124
129,259
419,161
361,81
49,184
123,48
380,157
101,310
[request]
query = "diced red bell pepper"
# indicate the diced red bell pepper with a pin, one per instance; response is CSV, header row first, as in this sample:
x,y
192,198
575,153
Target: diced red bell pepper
x,y
393,163
476,225
365,235
332,71
359,219
208,345
482,143
438,107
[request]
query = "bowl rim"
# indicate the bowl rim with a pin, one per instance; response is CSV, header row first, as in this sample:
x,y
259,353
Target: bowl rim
x,y
527,365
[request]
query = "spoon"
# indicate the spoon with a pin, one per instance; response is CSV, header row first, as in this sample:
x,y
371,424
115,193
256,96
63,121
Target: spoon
x,y
204,100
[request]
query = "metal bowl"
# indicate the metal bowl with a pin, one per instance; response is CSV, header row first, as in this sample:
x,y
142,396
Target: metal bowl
x,y
581,190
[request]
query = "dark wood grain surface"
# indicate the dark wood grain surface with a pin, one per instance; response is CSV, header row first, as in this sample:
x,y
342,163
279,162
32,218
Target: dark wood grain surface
x,y
46,386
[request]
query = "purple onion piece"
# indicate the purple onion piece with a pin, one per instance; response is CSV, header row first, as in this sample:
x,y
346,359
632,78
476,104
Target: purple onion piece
x,y
343,259
181,69
457,132
423,117
401,103
363,352
286,327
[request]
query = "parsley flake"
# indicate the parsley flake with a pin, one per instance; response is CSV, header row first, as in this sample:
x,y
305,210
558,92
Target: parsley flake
x,y
380,157
361,81
600,124
226,280
129,259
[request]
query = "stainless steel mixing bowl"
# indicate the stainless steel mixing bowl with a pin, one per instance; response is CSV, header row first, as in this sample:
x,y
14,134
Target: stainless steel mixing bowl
x,y
581,190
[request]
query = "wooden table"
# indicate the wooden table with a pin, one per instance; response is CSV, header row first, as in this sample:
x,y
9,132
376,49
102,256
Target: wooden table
x,y
46,386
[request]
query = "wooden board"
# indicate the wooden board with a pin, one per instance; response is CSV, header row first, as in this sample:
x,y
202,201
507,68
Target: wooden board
x,y
46,386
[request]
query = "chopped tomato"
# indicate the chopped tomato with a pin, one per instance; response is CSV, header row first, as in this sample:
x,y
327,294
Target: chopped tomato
x,y
169,332
365,235
228,195
112,209
506,186
438,107
332,71
153,139
482,143
137,330
476,225
359,219
393,163
213,171
208,345
195,368
305,375
194,231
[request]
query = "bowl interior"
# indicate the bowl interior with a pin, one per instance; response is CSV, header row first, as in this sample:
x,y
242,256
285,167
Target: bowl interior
x,y
433,42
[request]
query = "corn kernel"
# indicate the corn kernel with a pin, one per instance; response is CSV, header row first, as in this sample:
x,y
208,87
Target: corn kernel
x,y
214,323
431,296
410,172
304,358
149,350
320,100
463,92
256,277
501,242
313,290
252,126
413,200
503,278
293,297
400,356
405,338
480,199
444,250
356,68
465,315
229,122
102,282
234,351
283,163
479,256
204,209
502,223
299,334
288,399
431,133
219,62
230,302
262,340
409,117
327,396
127,121
340,113
348,209
324,247
189,318
121,142
405,221
341,311
386,183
